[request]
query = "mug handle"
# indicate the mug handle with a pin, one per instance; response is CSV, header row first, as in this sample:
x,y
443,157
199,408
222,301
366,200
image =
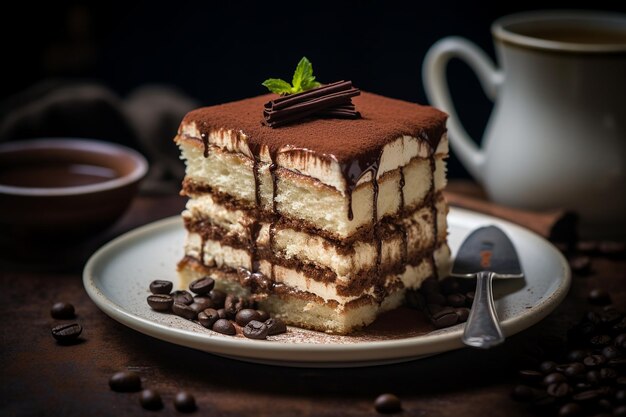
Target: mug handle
x,y
435,83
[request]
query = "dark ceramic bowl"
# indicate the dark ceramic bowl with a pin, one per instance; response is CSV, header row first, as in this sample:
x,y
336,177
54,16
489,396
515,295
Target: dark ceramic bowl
x,y
63,190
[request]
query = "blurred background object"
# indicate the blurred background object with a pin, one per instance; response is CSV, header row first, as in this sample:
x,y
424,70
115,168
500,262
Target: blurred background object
x,y
129,73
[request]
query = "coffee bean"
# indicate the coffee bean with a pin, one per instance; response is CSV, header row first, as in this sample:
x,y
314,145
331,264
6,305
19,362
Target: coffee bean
x,y
184,311
197,307
580,264
246,315
125,381
150,399
450,286
570,410
255,330
202,285
611,352
275,326
610,316
586,396
559,390
456,300
204,300
387,404
463,313
67,333
208,317
605,405
620,411
608,374
620,341
574,369
599,297
430,285
547,367
263,315
600,340
577,355
530,375
619,327
593,377
62,311
522,393
160,286
160,302
185,402
436,298
232,305
182,297
224,326
221,313
217,297
582,386
553,378
446,317
612,249
593,361
620,396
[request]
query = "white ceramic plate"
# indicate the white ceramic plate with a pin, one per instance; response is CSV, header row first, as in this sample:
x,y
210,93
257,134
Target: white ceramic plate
x,y
117,278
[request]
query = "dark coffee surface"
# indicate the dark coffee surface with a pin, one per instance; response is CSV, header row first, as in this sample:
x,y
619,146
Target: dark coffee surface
x,y
54,175
41,377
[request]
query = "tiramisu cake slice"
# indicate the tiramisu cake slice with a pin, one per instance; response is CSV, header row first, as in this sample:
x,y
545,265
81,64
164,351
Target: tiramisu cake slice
x,y
325,221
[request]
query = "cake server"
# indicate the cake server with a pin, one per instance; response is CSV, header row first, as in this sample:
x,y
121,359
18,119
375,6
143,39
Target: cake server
x,y
487,253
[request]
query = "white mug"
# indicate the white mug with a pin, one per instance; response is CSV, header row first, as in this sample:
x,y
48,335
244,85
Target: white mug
x,y
557,135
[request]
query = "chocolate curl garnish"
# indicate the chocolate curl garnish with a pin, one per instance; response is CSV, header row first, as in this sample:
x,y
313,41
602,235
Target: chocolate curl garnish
x,y
331,100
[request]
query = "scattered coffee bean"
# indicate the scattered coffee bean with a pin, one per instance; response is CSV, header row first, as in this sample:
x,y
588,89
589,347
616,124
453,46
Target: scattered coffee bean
x,y
620,411
530,375
184,311
580,264
436,298
125,381
456,300
599,297
255,330
593,361
217,297
221,313
620,340
204,300
246,315
387,404
182,297
263,315
620,396
463,313
160,302
198,307
185,402
559,390
150,400
208,317
586,396
445,317
160,286
429,286
593,377
612,249
577,355
62,311
275,326
608,374
574,369
570,410
523,393
553,378
202,285
67,333
232,305
224,326
611,352
600,340
547,367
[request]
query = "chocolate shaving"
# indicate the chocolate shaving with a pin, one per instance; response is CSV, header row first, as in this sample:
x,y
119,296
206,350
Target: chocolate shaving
x,y
332,100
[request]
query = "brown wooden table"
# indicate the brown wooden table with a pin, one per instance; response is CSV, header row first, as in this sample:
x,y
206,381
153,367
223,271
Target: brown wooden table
x,y
40,377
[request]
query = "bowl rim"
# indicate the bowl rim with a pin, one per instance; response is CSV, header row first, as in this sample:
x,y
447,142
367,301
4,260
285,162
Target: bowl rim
x,y
140,165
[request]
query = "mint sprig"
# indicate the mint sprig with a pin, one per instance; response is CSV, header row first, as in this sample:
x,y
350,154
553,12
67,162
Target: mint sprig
x,y
303,80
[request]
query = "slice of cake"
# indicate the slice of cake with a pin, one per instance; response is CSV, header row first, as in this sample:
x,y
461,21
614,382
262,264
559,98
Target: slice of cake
x,y
326,222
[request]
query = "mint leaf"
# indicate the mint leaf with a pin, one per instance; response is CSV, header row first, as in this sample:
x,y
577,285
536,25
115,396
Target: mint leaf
x,y
278,86
303,80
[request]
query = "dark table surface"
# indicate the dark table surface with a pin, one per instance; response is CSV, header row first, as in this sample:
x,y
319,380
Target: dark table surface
x,y
41,377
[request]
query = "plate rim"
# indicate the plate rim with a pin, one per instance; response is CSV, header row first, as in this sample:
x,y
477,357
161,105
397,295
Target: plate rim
x,y
312,353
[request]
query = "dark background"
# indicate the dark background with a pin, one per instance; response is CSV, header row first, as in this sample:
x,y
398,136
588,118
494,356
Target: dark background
x,y
215,52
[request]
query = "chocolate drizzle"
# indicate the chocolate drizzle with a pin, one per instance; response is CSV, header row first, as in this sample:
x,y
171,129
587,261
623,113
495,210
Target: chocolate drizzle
x,y
205,142
433,207
331,100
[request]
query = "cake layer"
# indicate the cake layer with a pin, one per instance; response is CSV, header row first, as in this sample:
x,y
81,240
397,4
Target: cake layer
x,y
390,134
230,177
234,238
